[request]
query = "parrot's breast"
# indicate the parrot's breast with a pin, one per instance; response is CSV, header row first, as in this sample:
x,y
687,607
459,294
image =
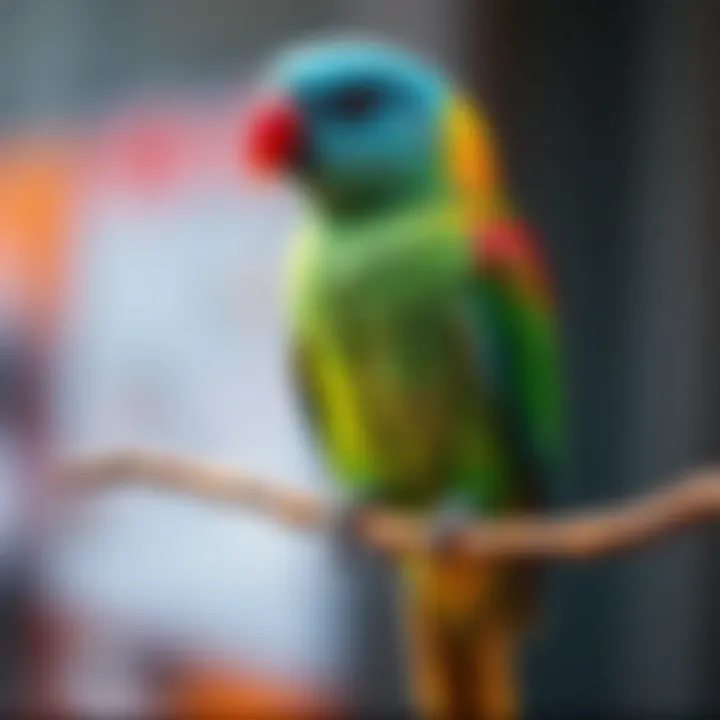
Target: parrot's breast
x,y
393,316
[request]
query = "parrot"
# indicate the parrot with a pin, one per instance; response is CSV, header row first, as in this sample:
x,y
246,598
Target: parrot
x,y
423,338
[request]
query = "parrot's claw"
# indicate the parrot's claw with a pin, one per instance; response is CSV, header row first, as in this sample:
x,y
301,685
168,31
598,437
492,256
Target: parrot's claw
x,y
445,527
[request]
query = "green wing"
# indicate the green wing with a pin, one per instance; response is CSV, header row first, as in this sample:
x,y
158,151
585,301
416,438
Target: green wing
x,y
520,327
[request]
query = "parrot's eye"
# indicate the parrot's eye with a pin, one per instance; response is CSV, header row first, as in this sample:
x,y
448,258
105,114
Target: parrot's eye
x,y
355,102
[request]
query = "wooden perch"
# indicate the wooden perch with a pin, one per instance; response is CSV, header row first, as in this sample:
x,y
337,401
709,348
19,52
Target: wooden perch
x,y
691,500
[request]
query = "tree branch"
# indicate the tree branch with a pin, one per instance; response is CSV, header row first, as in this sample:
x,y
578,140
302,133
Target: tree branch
x,y
691,500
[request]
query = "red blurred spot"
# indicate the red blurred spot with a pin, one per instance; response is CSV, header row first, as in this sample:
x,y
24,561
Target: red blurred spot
x,y
150,155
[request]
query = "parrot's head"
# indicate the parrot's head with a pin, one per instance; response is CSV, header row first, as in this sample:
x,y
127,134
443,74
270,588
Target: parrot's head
x,y
361,124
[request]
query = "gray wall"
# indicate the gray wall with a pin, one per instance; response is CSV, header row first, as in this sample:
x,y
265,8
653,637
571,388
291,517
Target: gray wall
x,y
674,662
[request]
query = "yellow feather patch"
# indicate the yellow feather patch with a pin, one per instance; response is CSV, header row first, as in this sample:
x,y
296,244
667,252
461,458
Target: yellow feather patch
x,y
458,590
342,431
472,159
348,441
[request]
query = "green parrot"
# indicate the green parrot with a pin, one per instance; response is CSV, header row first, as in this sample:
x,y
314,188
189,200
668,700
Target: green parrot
x,y
423,337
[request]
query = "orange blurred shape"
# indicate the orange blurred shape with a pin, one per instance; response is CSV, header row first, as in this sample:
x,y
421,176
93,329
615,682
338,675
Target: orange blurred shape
x,y
37,210
207,691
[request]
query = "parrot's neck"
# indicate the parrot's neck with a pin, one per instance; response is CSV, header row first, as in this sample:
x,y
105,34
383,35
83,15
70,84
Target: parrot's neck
x,y
438,209
339,206
431,194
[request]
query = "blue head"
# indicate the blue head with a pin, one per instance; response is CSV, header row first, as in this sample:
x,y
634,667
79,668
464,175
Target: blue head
x,y
353,121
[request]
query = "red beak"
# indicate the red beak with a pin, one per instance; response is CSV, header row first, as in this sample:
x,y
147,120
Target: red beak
x,y
272,137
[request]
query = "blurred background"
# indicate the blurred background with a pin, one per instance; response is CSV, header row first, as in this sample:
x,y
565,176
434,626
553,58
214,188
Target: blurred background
x,y
139,303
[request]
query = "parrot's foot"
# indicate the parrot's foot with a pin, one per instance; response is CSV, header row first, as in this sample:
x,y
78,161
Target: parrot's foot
x,y
344,518
446,525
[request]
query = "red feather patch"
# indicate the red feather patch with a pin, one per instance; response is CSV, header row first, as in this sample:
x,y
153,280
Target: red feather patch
x,y
510,248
